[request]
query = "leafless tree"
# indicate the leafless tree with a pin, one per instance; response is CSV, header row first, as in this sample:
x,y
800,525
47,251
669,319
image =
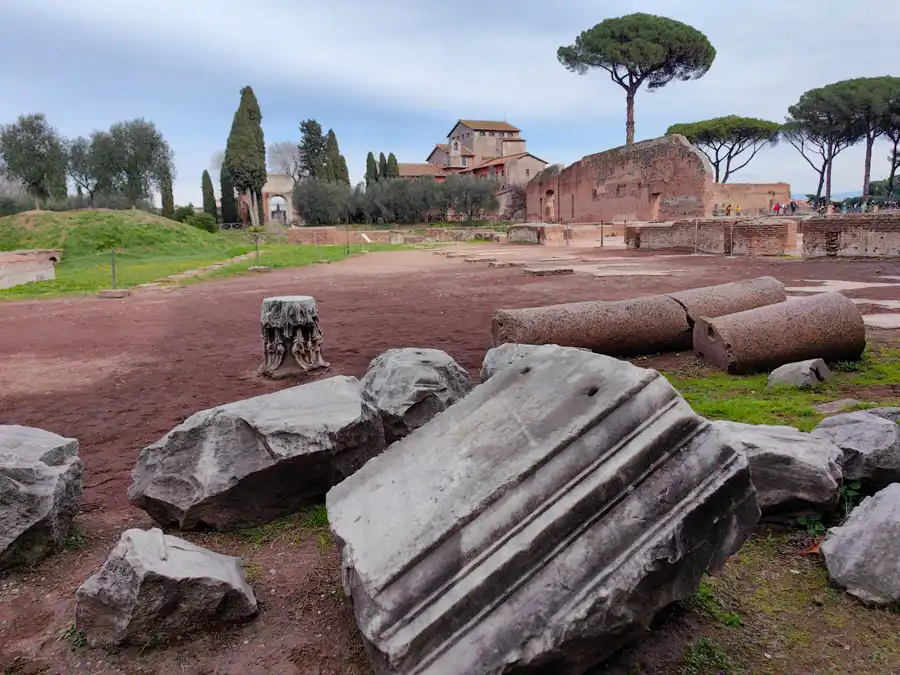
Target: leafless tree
x,y
284,157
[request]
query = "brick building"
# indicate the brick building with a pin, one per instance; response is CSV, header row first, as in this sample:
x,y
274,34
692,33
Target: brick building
x,y
660,179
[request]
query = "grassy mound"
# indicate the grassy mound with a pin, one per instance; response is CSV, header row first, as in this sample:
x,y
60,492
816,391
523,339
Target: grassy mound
x,y
147,247
85,233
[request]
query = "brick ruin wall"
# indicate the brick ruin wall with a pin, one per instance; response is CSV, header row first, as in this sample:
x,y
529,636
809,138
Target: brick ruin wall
x,y
864,235
754,198
661,178
752,237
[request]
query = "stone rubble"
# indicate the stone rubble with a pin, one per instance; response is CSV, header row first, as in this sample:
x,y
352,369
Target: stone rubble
x,y
870,442
541,521
40,485
794,473
154,587
863,554
255,460
802,374
410,386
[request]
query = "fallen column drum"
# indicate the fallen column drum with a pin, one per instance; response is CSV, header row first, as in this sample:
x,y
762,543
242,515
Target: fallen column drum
x,y
826,326
645,325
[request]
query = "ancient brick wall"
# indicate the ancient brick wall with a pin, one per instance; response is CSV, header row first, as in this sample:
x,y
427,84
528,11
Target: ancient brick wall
x,y
865,235
660,179
754,198
753,237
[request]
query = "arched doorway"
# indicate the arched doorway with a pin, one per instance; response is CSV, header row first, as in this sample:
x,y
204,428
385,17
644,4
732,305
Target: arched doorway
x,y
278,210
549,206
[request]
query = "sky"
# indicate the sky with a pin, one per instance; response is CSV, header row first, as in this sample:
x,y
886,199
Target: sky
x,y
395,75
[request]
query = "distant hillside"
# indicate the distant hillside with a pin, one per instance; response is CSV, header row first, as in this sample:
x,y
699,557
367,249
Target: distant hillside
x,y
81,233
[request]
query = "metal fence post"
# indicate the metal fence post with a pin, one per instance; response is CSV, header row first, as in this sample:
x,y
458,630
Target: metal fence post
x,y
112,255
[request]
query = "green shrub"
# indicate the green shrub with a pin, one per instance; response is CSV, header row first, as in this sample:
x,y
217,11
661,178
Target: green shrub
x,y
182,213
202,220
10,206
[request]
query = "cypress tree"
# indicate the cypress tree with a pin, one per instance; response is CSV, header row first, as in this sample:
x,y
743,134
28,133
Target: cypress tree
x,y
245,153
332,158
229,203
382,166
209,195
371,170
393,169
168,198
345,174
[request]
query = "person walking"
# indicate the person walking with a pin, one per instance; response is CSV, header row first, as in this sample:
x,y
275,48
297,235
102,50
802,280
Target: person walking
x,y
728,210
793,207
737,210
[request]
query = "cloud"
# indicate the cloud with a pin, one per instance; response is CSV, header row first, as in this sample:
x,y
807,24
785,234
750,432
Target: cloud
x,y
397,73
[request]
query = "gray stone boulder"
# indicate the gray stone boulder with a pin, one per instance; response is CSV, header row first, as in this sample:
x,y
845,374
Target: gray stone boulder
x,y
540,522
803,374
154,587
259,459
863,554
888,413
40,484
871,445
410,386
793,472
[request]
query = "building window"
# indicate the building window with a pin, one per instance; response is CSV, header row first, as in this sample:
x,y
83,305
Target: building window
x,y
455,145
463,161
527,173
490,133
481,133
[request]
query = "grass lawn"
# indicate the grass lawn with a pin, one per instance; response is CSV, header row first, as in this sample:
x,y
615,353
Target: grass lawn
x,y
716,395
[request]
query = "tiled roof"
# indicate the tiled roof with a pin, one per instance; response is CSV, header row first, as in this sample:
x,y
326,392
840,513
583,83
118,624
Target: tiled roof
x,y
485,125
413,170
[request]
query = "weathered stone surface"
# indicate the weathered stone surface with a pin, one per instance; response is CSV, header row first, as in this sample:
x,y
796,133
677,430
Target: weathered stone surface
x,y
863,554
793,472
540,522
803,374
888,413
255,460
871,446
155,587
292,341
723,299
834,407
410,386
827,326
498,358
624,328
40,483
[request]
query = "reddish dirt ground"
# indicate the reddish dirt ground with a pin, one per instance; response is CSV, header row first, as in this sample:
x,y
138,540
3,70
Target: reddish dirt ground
x,y
118,374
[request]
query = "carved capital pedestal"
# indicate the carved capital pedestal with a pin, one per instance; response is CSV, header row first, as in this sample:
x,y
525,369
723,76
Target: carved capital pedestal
x,y
292,341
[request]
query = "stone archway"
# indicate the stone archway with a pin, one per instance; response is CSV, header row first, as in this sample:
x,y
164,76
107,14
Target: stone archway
x,y
278,209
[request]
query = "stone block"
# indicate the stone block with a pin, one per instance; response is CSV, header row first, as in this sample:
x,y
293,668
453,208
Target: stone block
x,y
154,588
862,554
255,460
794,473
801,374
410,386
538,523
40,484
870,443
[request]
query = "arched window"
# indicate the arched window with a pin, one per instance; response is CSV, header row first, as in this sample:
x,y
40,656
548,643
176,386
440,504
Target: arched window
x,y
490,133
481,133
